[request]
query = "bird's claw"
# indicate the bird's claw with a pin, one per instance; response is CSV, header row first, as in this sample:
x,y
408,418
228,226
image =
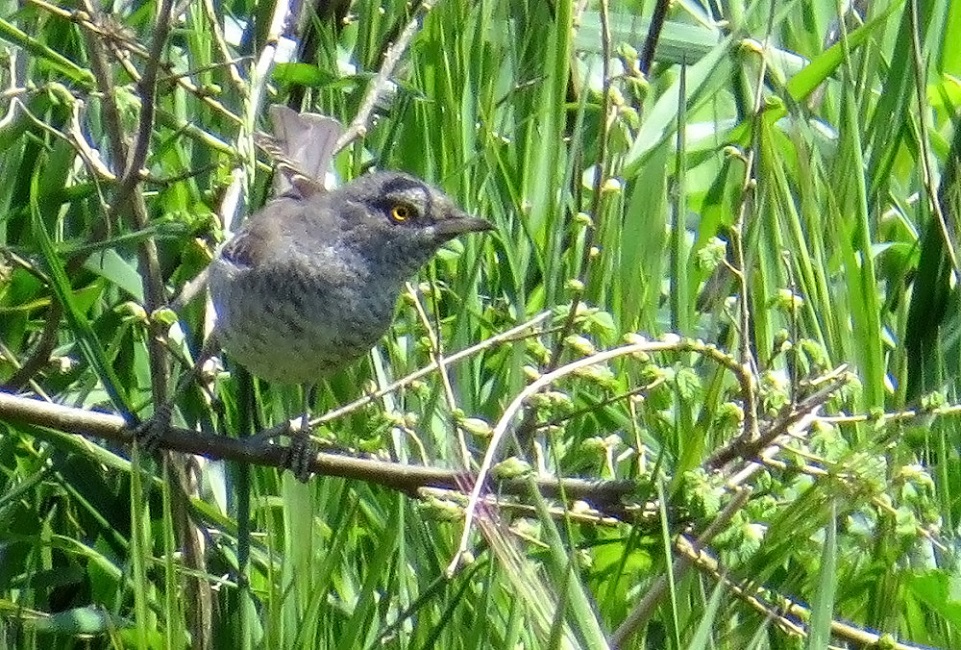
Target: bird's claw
x,y
150,432
300,454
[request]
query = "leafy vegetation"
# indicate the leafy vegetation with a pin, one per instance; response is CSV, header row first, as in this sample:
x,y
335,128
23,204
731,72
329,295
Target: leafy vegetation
x,y
723,287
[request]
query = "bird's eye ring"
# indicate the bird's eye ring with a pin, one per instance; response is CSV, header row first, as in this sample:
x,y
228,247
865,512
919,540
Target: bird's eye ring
x,y
399,213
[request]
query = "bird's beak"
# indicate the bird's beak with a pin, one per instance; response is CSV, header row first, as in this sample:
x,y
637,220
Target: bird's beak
x,y
458,225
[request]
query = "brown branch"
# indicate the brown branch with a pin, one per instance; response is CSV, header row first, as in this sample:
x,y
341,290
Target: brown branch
x,y
41,353
395,476
792,617
129,201
148,91
747,447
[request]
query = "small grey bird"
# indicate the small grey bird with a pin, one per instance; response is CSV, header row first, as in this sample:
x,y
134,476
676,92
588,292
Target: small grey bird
x,y
310,283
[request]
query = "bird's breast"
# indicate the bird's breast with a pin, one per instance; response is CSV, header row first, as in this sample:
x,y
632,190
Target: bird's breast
x,y
300,320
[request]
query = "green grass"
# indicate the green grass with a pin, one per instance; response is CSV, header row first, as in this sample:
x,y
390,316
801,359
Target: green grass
x,y
768,213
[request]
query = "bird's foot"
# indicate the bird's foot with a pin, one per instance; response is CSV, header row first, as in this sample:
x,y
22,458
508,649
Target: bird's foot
x,y
302,450
150,432
301,453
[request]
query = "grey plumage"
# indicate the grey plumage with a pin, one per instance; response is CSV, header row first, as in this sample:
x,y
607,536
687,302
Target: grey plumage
x,y
309,284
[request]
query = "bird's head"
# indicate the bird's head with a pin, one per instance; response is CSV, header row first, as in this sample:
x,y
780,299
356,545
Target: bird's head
x,y
401,218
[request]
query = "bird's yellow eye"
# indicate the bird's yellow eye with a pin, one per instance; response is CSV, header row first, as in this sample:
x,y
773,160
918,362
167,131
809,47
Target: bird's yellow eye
x,y
400,213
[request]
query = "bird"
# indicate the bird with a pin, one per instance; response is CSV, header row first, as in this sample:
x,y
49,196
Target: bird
x,y
310,282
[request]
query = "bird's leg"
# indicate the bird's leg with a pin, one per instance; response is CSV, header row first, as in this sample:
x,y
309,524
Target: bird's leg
x,y
150,431
302,450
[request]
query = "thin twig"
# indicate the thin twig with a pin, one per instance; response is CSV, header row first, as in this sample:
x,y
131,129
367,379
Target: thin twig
x,y
895,416
948,231
148,91
789,615
741,272
358,126
500,430
129,201
437,357
508,335
643,610
119,46
109,112
213,19
748,446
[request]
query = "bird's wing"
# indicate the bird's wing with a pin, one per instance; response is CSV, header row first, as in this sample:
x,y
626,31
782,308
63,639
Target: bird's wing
x,y
264,234
285,230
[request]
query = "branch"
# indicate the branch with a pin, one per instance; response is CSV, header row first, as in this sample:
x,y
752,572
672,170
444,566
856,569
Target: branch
x,y
747,447
395,476
148,90
788,614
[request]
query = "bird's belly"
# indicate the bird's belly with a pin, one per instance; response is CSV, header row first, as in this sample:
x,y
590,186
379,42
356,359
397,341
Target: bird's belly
x,y
296,333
